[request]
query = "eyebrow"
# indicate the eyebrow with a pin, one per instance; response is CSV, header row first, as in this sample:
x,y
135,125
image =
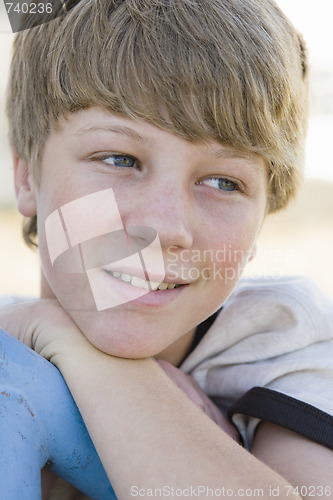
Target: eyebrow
x,y
215,152
230,153
132,134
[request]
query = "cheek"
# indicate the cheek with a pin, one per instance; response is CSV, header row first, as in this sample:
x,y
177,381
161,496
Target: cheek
x,y
230,247
233,238
72,289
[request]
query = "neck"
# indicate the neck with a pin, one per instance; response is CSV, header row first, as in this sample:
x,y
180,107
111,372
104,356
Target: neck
x,y
176,352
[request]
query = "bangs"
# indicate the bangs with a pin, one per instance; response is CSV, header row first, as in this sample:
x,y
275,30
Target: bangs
x,y
149,65
230,71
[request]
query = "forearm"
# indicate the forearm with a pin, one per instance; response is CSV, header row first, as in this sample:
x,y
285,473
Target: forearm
x,y
148,434
146,431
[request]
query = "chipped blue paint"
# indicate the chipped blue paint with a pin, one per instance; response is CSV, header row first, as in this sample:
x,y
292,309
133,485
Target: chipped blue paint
x,y
41,424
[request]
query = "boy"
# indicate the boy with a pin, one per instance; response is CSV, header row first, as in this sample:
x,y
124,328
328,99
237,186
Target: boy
x,y
184,122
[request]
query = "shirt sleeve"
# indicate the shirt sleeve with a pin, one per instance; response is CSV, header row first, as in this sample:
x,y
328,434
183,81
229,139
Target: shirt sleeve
x,y
269,356
265,404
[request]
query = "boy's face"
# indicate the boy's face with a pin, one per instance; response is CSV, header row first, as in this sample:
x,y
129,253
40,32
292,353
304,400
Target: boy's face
x,y
201,204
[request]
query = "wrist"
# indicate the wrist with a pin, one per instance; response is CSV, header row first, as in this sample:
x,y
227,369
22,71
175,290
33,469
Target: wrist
x,y
52,333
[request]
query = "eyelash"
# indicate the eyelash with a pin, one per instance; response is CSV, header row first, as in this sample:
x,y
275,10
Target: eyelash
x,y
107,156
235,186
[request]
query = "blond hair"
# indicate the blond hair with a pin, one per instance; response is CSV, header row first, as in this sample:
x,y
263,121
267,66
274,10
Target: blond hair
x,y
232,71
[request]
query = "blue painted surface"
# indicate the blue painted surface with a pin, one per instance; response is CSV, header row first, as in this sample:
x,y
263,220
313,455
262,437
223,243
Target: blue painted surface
x,y
40,423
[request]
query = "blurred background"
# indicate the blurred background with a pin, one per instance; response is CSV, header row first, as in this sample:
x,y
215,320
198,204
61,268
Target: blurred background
x,y
298,240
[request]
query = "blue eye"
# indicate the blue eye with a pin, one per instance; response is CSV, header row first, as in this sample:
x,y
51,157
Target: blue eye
x,y
220,183
122,161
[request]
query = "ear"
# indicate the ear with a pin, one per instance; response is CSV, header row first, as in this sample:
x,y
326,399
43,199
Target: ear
x,y
24,187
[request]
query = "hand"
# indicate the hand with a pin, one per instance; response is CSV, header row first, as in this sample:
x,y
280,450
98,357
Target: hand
x,y
15,319
43,325
192,389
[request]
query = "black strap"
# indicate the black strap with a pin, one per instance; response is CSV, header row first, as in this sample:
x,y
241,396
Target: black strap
x,y
277,408
202,329
200,332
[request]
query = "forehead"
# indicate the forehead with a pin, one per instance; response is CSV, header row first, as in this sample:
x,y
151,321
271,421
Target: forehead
x,y
96,121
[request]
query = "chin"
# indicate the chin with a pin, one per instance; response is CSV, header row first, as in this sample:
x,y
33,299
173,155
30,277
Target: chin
x,y
126,353
123,348
115,334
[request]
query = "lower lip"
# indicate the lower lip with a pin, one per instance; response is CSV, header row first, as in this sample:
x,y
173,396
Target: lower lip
x,y
154,298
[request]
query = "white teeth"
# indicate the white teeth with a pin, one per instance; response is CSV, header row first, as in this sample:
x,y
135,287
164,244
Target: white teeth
x,y
154,285
163,286
138,282
141,283
126,277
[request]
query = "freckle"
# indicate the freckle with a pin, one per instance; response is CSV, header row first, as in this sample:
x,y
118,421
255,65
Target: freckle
x,y
4,393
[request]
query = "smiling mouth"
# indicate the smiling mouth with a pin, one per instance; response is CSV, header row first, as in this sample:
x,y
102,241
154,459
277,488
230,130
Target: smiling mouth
x,y
141,283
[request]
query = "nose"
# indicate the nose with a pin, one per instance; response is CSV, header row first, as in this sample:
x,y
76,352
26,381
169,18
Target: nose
x,y
168,211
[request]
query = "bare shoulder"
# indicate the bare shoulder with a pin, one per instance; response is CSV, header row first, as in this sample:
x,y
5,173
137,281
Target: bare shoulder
x,y
302,462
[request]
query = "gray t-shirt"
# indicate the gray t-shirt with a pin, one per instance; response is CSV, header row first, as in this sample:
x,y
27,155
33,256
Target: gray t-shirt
x,y
269,356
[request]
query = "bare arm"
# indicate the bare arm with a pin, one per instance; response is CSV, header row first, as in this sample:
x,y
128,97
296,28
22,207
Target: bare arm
x,y
191,388
147,432
149,435
307,465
